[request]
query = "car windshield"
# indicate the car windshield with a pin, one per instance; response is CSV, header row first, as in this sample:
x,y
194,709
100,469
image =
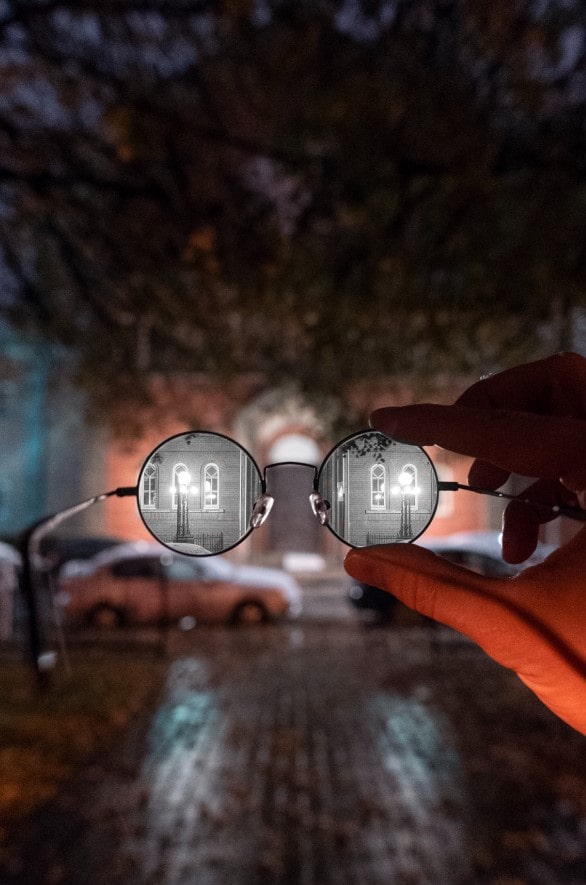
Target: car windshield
x,y
141,567
179,568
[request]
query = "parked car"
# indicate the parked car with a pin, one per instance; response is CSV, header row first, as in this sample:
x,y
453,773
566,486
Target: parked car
x,y
58,550
478,551
145,583
10,566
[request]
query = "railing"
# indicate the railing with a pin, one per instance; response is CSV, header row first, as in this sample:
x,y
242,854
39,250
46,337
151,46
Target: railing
x,y
212,541
378,538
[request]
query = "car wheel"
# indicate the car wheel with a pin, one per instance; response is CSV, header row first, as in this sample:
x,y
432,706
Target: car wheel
x,y
106,617
250,612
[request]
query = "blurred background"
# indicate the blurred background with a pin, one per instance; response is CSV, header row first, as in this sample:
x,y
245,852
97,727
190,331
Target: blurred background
x,y
266,218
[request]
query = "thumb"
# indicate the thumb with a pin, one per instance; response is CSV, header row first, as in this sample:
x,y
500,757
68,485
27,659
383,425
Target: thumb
x,y
475,605
532,623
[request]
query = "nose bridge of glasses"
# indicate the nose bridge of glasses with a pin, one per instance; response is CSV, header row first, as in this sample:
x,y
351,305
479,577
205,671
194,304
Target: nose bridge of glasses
x,y
264,504
292,464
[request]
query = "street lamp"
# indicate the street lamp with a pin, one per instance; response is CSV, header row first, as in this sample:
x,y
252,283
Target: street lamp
x,y
183,533
405,480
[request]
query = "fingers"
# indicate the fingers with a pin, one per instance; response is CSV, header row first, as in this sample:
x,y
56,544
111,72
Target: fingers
x,y
520,532
533,623
486,476
517,442
521,521
439,589
555,385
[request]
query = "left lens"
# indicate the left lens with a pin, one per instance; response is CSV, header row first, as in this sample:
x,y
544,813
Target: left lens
x,y
196,492
380,491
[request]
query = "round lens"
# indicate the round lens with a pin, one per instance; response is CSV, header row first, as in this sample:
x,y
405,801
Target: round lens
x,y
380,491
196,493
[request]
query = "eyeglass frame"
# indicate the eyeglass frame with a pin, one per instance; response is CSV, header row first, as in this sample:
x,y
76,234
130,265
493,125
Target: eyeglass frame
x,y
319,505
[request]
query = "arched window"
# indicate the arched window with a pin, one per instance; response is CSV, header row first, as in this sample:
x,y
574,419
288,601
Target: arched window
x,y
179,468
211,487
377,487
149,489
410,485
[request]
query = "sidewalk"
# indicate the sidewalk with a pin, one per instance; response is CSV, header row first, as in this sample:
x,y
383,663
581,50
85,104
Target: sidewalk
x,y
325,753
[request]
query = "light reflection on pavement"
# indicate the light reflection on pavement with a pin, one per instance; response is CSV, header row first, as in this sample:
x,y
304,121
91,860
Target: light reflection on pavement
x,y
292,769
324,752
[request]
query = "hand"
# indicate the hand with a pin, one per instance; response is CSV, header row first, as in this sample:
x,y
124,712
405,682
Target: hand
x,y
529,420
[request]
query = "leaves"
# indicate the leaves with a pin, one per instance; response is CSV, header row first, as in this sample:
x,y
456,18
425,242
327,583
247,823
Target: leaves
x,y
326,192
43,738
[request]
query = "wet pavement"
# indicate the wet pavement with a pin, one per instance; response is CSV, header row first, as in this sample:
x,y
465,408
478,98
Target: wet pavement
x,y
324,751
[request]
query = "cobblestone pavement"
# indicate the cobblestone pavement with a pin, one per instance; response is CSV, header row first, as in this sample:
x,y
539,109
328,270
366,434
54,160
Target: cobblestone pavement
x,y
325,752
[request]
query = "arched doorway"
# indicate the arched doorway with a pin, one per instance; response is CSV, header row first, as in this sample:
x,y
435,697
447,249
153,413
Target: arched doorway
x,y
281,426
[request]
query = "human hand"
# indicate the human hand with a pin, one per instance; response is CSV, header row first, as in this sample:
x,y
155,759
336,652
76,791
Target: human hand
x,y
529,420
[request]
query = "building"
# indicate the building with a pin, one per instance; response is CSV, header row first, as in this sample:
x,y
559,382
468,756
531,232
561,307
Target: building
x,y
380,491
197,491
52,458
282,445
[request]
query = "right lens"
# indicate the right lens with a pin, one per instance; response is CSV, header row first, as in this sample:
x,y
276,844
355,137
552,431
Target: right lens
x,y
380,491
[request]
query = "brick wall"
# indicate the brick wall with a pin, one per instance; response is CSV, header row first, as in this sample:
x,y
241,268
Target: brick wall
x,y
218,409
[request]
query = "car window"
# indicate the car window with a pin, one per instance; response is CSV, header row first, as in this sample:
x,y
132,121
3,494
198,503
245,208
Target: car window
x,y
182,570
137,568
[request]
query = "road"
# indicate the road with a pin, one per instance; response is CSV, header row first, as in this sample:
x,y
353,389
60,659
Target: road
x,y
321,752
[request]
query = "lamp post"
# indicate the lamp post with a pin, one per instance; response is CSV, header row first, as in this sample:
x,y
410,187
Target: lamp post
x,y
405,480
183,532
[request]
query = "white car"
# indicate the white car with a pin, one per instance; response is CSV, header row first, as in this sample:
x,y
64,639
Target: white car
x,y
145,583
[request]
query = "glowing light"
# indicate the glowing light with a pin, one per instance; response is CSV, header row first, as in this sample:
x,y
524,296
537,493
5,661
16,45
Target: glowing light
x,y
183,478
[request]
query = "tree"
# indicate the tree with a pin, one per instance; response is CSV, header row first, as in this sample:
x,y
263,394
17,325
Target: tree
x,y
323,190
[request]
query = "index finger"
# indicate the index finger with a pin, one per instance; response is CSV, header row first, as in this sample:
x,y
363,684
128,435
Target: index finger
x,y
555,385
518,442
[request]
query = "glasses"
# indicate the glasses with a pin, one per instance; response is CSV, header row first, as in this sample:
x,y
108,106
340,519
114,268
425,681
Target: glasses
x,y
202,493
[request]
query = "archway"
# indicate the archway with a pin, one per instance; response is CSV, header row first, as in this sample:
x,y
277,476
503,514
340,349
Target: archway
x,y
281,426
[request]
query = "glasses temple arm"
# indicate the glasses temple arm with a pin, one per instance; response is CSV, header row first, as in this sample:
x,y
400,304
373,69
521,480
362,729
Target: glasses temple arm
x,y
571,512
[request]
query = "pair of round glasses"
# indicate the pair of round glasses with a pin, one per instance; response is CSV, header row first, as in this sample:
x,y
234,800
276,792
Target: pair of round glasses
x,y
202,493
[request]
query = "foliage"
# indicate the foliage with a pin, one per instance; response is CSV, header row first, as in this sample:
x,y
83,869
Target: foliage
x,y
317,190
44,737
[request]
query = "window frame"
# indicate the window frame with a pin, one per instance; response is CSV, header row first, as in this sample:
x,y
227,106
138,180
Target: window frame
x,y
214,480
153,487
378,486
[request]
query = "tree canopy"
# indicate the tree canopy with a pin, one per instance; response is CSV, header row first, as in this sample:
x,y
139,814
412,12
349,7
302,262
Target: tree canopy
x,y
303,188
